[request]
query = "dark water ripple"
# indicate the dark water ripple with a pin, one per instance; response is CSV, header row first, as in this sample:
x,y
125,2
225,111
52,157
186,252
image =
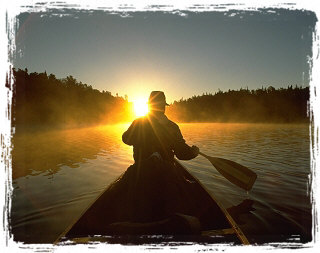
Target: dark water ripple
x,y
56,175
280,155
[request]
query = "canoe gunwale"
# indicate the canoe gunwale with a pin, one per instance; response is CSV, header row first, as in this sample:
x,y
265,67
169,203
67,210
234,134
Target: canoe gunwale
x,y
62,235
232,222
234,228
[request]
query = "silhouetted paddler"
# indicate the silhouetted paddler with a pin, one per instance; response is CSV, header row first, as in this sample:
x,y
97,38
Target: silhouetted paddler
x,y
156,135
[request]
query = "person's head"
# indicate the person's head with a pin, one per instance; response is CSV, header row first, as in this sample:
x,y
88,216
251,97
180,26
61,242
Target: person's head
x,y
157,102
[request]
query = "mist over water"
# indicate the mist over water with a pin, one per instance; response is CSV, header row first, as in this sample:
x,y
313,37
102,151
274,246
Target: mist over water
x,y
58,174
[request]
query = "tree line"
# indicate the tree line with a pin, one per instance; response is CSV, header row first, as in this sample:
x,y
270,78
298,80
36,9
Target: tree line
x,y
44,101
264,105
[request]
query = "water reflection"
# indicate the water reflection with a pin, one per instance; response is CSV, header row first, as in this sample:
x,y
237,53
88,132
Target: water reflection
x,y
48,151
57,174
279,154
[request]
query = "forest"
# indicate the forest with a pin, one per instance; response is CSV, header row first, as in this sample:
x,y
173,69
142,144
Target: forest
x,y
265,105
44,101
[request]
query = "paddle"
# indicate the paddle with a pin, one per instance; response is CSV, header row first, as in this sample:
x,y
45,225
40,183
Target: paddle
x,y
234,172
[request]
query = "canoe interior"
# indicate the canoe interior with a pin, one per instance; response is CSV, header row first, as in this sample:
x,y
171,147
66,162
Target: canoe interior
x,y
151,194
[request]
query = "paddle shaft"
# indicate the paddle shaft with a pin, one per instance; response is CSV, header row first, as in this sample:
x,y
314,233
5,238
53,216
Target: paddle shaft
x,y
204,155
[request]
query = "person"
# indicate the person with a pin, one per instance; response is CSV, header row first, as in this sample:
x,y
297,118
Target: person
x,y
156,188
156,136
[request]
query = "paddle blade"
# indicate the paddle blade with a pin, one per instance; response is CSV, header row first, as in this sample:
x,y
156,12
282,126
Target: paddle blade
x,y
234,172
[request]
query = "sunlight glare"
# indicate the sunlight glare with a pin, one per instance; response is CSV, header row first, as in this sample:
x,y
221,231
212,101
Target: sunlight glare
x,y
140,107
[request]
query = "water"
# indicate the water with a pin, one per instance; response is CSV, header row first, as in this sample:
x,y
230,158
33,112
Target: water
x,y
58,174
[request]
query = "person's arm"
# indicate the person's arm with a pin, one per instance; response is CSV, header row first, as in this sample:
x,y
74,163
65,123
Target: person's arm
x,y
129,137
181,149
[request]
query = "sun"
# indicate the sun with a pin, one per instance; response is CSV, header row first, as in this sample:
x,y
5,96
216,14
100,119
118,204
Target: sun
x,y
140,107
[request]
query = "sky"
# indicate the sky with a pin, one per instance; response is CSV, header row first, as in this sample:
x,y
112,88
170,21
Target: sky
x,y
181,55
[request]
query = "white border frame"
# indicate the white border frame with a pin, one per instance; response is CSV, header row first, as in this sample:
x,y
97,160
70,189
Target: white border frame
x,y
10,9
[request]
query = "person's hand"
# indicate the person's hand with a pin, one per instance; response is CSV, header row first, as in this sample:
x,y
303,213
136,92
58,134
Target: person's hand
x,y
195,150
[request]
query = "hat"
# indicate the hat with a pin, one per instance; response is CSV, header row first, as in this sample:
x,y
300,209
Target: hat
x,y
157,97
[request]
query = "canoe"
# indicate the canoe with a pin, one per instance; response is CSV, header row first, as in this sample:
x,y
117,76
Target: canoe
x,y
194,217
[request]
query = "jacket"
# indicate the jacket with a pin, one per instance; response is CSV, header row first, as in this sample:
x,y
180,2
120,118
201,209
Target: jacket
x,y
147,136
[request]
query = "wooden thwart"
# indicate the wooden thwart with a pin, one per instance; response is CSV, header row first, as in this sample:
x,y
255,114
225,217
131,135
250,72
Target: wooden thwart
x,y
227,231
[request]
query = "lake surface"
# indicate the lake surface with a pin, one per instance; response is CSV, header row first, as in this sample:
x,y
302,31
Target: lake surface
x,y
58,174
